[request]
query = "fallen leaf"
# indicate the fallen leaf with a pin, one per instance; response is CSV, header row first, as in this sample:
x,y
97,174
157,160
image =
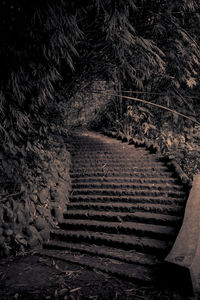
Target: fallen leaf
x,y
116,262
27,268
75,290
129,290
2,276
69,273
41,259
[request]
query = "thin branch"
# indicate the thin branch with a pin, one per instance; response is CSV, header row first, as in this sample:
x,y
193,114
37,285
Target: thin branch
x,y
153,104
150,93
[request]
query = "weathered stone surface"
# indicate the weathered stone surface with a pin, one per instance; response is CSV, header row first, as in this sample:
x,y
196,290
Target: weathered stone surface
x,y
33,242
40,223
54,173
19,239
8,214
58,214
35,237
44,195
45,234
41,210
58,195
28,221
21,218
186,250
32,231
18,228
31,208
34,198
53,192
27,231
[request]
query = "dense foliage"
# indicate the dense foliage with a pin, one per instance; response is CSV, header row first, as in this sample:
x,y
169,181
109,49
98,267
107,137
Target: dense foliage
x,y
150,46
36,39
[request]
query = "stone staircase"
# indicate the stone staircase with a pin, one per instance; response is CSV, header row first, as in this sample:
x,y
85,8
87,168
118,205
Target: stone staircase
x,y
125,210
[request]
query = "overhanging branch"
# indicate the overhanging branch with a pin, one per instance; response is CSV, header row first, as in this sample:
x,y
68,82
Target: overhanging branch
x,y
150,103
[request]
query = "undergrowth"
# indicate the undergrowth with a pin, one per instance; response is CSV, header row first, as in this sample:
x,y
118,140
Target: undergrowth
x,y
176,137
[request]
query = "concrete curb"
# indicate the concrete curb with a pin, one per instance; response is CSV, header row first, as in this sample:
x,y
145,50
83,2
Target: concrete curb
x,y
185,254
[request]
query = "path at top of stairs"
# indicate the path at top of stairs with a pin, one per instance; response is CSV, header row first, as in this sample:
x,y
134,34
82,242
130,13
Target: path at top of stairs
x,y
125,209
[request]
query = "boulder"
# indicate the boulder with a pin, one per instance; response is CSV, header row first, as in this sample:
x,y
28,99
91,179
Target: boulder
x,y
40,223
45,234
44,195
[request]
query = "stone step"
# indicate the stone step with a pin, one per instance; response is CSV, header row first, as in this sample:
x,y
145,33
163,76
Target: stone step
x,y
111,152
132,257
120,241
115,159
131,174
172,210
93,149
132,169
129,180
110,156
125,209
161,232
138,216
128,199
120,185
114,145
117,165
129,192
79,144
136,273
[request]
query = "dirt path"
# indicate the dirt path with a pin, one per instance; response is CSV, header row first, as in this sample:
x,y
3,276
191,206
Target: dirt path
x,y
33,277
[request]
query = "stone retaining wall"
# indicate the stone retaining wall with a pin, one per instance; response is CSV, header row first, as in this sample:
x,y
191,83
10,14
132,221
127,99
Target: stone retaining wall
x,y
27,217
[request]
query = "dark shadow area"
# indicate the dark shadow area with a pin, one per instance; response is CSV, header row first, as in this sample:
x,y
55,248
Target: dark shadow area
x,y
175,278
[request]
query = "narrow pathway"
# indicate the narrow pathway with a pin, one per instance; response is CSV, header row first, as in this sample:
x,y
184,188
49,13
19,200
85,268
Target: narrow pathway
x,y
125,209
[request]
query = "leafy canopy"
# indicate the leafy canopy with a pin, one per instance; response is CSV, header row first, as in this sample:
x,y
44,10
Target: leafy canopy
x,y
149,46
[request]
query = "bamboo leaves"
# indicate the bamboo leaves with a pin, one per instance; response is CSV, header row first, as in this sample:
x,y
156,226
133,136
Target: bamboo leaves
x,y
145,45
